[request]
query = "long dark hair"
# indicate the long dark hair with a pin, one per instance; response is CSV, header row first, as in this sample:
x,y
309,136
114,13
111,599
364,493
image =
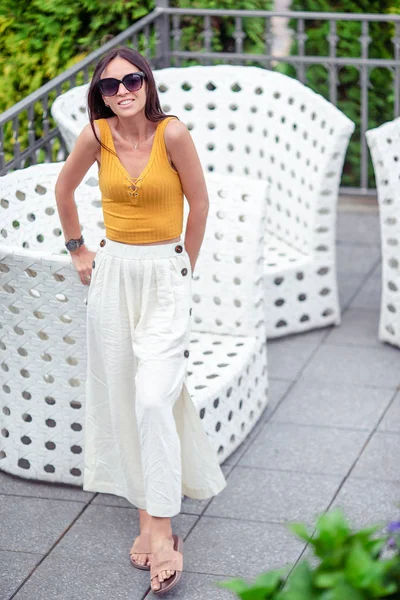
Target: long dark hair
x,y
96,107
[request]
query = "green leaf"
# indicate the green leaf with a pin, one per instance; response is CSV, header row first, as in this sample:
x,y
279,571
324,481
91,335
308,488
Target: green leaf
x,y
327,579
343,591
235,585
270,581
263,588
300,530
300,583
360,568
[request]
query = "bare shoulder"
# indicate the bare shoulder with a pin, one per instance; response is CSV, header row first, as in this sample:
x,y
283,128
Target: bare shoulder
x,y
175,131
87,137
87,144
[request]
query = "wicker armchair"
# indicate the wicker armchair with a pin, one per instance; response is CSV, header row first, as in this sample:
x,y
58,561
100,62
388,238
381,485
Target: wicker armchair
x,y
43,325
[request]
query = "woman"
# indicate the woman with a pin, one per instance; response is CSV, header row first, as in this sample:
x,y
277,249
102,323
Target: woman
x,y
143,437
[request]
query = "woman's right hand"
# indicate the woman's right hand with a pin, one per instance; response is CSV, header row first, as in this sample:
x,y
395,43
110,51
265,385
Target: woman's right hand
x,y
83,260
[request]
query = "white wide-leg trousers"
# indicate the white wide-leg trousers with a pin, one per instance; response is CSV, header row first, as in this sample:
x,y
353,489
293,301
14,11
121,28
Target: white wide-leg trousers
x,y
144,439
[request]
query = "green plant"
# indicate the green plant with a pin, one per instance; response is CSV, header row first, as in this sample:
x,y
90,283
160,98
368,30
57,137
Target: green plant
x,y
42,38
222,28
380,92
350,566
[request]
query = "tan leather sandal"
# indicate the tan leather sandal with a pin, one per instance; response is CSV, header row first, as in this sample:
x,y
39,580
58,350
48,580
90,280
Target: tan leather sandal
x,y
139,547
170,559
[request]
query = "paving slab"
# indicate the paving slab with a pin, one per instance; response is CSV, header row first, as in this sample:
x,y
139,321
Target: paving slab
x,y
377,367
358,228
305,449
108,532
366,503
194,586
288,356
391,420
333,405
274,496
369,295
380,459
17,486
234,458
34,524
111,500
348,284
357,259
239,548
14,568
313,337
358,328
66,578
377,272
197,507
277,389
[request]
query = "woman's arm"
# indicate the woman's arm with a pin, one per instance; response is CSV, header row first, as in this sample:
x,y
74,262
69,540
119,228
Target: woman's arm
x,y
76,166
185,159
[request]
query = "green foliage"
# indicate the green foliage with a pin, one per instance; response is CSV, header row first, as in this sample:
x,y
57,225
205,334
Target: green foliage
x,y
222,28
349,99
42,38
350,567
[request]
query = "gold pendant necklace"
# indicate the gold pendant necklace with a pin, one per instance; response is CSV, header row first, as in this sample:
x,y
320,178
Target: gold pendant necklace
x,y
136,146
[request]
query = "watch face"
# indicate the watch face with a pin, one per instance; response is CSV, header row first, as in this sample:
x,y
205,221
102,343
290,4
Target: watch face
x,y
73,245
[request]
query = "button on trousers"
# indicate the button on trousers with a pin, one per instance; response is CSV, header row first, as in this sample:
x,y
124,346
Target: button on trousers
x,y
144,439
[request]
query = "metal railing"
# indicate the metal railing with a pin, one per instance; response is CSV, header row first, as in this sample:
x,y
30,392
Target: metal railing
x,y
162,37
21,123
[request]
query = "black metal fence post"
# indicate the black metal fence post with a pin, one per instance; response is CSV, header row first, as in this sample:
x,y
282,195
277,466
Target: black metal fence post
x,y
163,34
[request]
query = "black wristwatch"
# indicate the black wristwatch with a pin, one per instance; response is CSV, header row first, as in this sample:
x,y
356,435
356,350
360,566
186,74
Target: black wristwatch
x,y
72,245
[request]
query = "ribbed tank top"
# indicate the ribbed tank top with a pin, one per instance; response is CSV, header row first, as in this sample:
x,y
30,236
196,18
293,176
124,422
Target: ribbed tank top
x,y
148,208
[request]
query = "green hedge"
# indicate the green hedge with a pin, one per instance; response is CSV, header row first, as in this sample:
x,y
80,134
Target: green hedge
x,y
41,38
381,86
223,28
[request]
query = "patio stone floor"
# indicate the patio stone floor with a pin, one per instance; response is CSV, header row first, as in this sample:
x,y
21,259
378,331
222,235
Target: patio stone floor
x,y
329,437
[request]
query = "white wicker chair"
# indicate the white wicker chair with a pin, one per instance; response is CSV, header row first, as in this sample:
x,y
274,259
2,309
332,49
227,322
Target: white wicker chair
x,y
43,324
261,124
384,144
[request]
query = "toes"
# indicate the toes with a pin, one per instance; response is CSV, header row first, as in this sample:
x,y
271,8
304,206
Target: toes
x,y
141,559
155,584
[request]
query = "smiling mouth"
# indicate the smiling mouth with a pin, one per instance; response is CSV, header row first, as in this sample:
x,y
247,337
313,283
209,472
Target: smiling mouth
x,y
126,102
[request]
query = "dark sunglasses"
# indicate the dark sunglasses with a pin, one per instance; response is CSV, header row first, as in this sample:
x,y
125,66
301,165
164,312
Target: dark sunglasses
x,y
109,86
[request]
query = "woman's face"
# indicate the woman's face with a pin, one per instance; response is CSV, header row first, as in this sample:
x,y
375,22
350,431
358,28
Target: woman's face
x,y
124,103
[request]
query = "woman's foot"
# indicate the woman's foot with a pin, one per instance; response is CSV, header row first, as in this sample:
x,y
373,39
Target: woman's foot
x,y
141,558
161,539
157,545
144,538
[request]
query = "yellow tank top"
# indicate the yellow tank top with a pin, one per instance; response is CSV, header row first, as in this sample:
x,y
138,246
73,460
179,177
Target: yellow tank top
x,y
148,208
